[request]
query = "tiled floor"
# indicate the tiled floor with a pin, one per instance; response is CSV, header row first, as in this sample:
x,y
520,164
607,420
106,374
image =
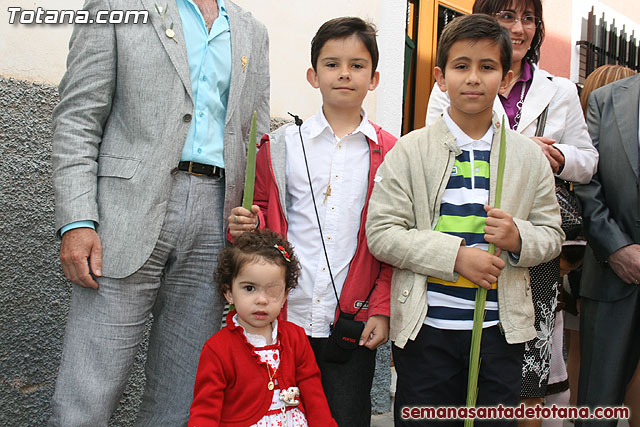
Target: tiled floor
x,y
384,420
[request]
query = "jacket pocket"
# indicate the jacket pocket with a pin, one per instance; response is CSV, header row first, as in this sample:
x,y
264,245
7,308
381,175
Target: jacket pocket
x,y
118,167
401,285
519,294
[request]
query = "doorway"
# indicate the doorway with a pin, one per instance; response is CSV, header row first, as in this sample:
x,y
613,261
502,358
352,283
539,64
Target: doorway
x,y
425,21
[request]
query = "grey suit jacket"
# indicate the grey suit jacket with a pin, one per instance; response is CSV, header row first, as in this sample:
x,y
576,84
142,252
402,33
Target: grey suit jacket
x,y
125,110
610,201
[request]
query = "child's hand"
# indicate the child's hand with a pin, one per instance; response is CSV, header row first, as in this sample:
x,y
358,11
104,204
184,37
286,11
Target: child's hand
x,y
375,332
479,266
501,230
241,220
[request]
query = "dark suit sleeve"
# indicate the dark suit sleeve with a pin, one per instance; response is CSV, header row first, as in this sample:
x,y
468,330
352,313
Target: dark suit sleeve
x,y
86,93
603,233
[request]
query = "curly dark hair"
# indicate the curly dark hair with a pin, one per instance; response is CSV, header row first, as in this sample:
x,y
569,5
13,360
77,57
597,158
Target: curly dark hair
x,y
250,247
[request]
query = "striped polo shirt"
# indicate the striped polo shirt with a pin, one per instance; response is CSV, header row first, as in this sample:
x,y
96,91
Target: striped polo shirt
x,y
462,214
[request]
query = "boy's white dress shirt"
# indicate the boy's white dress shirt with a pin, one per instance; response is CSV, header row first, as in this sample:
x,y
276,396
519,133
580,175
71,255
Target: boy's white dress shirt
x,y
342,164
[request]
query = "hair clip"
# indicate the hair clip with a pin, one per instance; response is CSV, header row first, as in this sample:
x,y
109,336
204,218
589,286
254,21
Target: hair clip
x,y
284,252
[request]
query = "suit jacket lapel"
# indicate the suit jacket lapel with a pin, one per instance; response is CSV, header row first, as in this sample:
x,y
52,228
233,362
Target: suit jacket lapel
x,y
625,107
176,48
540,93
241,36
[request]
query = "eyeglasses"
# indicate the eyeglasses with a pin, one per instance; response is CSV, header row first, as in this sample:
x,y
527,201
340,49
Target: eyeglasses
x,y
509,19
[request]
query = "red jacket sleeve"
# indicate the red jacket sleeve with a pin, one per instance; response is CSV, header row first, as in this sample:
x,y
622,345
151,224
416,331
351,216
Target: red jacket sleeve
x,y
266,194
208,393
381,295
379,303
262,185
312,395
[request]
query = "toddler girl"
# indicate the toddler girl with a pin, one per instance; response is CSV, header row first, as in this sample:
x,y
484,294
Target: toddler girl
x,y
257,370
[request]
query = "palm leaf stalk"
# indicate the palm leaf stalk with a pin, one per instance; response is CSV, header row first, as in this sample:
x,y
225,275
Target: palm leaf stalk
x,y
250,176
481,295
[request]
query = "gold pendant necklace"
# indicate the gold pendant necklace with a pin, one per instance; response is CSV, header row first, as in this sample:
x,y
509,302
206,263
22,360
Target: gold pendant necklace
x,y
271,385
328,192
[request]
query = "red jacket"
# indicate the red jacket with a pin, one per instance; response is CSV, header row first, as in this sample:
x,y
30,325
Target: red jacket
x,y
231,383
365,271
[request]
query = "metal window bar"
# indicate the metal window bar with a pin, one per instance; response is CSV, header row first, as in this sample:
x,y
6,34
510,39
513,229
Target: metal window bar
x,y
602,44
445,15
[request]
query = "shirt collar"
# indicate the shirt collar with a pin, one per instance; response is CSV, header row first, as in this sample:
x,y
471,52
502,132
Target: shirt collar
x,y
527,72
317,124
462,139
222,10
255,339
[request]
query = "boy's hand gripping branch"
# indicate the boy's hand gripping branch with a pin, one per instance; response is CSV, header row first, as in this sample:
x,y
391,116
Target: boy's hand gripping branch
x,y
501,230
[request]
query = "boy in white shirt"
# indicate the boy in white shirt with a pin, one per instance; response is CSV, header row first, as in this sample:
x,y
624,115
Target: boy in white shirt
x,y
343,151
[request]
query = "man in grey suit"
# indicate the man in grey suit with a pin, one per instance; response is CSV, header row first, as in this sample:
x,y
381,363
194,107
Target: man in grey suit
x,y
610,311
149,154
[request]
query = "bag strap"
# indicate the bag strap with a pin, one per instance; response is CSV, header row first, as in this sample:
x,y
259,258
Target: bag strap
x,y
542,118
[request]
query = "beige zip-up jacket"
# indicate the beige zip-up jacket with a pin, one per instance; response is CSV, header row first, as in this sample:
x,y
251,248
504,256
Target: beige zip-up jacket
x,y
405,206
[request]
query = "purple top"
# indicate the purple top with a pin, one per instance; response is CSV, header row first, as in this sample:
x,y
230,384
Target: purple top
x,y
510,102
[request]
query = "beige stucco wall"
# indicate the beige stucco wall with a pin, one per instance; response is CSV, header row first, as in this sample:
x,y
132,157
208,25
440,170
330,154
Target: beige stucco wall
x,y
555,53
38,52
628,8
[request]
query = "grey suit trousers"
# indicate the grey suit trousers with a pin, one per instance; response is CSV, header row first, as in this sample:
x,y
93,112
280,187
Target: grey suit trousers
x,y
610,351
175,286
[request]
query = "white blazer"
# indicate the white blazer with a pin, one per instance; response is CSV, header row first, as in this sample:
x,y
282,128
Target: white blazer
x,y
565,122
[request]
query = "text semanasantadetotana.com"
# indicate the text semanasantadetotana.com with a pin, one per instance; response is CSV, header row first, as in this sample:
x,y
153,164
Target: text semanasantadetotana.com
x,y
53,16
520,412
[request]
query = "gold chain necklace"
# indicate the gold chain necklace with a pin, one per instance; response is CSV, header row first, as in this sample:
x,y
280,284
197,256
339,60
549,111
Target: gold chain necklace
x,y
271,385
327,193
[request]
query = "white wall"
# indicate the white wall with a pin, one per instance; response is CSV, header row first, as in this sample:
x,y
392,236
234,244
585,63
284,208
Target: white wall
x,y
34,52
38,52
391,40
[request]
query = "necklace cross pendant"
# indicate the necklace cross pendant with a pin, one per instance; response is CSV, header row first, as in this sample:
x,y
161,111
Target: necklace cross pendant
x,y
327,193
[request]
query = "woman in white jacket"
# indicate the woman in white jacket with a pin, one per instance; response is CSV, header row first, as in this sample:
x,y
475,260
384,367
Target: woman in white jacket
x,y
565,143
566,130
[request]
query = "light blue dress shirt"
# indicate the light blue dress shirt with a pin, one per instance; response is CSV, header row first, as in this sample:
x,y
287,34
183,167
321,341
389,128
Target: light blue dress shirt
x,y
209,57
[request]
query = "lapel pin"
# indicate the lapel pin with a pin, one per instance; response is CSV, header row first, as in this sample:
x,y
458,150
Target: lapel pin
x,y
170,33
168,30
244,63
